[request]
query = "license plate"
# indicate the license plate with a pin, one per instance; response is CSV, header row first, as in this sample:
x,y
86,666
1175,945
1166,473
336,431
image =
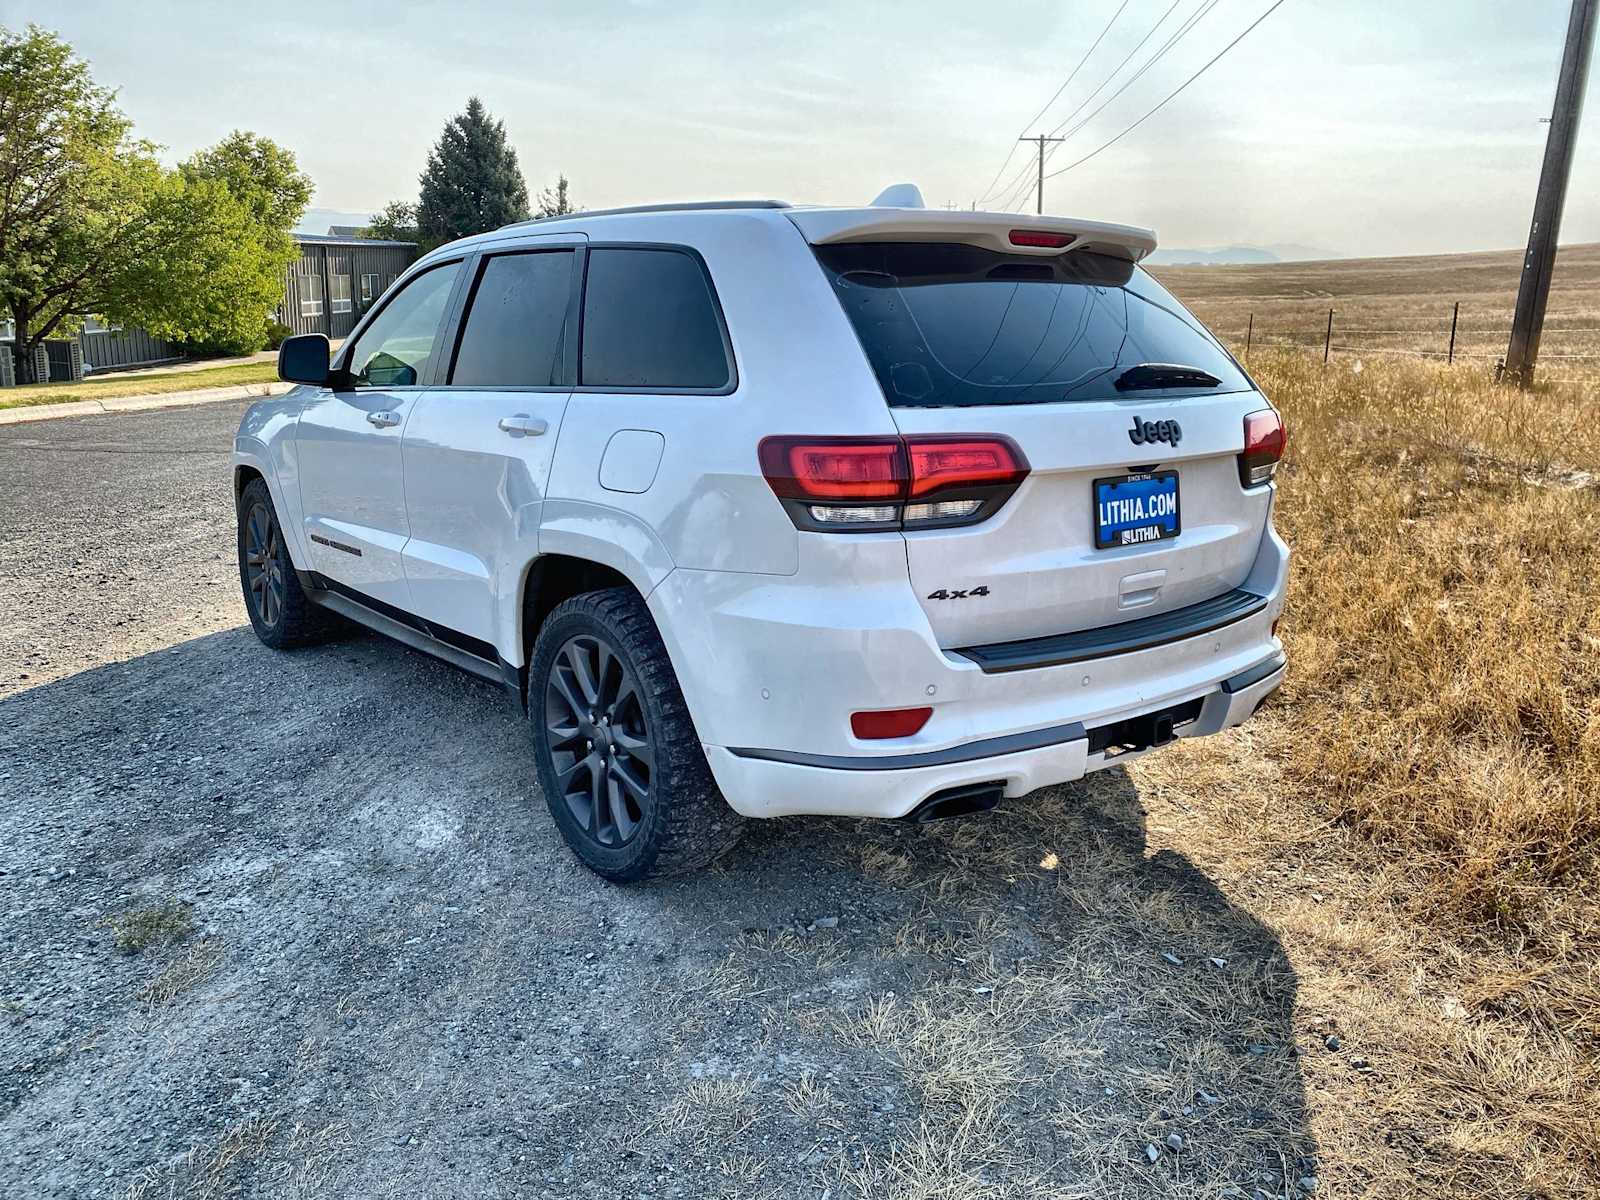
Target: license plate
x,y
1130,510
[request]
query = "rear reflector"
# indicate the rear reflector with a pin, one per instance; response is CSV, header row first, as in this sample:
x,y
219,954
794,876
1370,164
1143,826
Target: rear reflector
x,y
1042,238
871,484
889,723
1263,447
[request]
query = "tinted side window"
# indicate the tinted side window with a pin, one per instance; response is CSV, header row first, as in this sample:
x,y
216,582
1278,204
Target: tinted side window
x,y
397,348
516,328
650,321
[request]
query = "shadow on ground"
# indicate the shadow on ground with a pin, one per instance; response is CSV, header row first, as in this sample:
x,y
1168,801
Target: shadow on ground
x,y
389,977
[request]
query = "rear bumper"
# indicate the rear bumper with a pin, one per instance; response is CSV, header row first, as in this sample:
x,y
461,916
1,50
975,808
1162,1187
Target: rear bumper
x,y
772,668
762,783
1142,634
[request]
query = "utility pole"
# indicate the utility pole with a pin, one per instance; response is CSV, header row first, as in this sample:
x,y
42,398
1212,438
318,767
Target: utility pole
x,y
1533,293
1041,139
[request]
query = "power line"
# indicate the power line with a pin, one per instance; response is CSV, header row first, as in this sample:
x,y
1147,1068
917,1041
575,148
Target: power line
x,y
1194,18
1178,35
1170,97
1012,189
1065,84
1090,97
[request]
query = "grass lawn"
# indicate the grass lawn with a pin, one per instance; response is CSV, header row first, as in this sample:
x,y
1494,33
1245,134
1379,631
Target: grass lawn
x,y
139,385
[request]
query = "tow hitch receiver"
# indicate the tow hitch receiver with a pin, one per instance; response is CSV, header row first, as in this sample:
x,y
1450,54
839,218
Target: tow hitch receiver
x,y
1142,732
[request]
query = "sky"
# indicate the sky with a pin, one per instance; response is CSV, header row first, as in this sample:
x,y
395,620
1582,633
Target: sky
x,y
1358,126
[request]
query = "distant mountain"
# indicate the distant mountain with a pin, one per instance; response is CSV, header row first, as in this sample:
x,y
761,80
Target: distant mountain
x,y
320,220
1293,252
1248,255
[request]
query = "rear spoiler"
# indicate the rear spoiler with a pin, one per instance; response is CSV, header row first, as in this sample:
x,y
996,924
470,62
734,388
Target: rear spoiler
x,y
992,231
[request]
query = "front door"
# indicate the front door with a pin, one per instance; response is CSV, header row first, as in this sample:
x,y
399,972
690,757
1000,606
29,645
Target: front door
x,y
352,488
479,446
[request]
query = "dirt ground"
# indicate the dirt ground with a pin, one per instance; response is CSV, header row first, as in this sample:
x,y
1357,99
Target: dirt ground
x,y
300,925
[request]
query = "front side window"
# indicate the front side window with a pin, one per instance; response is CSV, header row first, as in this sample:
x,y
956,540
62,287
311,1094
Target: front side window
x,y
397,349
310,295
650,321
948,325
515,332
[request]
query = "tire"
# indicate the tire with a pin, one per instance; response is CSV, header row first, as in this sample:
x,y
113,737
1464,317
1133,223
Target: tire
x,y
279,611
618,758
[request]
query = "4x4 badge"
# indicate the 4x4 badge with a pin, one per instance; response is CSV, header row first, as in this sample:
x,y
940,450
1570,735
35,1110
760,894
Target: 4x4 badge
x,y
1155,431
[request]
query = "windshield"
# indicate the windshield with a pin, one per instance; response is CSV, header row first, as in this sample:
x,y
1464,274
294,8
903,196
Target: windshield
x,y
949,325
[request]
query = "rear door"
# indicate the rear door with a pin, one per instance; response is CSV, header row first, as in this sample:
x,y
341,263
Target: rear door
x,y
479,447
965,339
352,491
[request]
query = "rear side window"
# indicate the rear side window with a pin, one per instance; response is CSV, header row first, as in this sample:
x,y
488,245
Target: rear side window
x,y
515,332
650,321
951,325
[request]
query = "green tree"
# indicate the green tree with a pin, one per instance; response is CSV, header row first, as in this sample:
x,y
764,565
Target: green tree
x,y
92,223
397,222
554,202
472,183
259,172
266,183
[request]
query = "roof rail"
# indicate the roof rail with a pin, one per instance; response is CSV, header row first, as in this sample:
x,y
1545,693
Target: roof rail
x,y
682,206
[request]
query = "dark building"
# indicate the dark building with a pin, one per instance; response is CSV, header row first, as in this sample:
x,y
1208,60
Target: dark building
x,y
337,279
326,290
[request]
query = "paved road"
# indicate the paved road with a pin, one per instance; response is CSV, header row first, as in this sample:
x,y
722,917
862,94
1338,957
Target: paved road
x,y
373,969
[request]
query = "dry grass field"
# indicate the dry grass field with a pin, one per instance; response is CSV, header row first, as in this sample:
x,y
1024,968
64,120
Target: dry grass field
x,y
1401,307
1429,785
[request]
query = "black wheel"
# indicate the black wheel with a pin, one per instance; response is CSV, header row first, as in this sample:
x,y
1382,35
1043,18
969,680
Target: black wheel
x,y
279,611
618,758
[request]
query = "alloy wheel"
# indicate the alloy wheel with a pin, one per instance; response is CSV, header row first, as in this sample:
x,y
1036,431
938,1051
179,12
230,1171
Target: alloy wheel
x,y
599,740
263,564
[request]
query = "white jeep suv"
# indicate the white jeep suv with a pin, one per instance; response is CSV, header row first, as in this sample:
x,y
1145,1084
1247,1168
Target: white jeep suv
x,y
761,510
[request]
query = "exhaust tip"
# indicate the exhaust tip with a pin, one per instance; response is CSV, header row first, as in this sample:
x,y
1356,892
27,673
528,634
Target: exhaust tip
x,y
957,802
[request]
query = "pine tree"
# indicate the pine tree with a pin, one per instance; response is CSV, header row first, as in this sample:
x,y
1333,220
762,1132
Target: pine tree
x,y
554,202
472,183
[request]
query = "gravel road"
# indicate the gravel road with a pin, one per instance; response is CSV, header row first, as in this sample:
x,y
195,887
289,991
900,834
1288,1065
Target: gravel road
x,y
299,925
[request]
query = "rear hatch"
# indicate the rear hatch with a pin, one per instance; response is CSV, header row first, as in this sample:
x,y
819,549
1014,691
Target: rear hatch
x,y
1133,505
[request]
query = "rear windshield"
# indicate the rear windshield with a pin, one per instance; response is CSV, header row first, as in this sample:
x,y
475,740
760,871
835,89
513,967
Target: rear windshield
x,y
950,325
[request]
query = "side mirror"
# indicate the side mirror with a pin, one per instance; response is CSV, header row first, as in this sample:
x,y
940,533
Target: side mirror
x,y
304,359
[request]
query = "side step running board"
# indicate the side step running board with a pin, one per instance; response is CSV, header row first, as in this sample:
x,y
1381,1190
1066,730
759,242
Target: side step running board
x,y
405,634
389,627
1141,634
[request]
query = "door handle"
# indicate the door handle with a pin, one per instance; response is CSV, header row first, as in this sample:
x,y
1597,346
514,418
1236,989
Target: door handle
x,y
383,420
524,425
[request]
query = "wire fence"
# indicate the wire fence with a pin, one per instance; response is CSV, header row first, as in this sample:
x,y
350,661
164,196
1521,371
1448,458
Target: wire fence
x,y
1445,340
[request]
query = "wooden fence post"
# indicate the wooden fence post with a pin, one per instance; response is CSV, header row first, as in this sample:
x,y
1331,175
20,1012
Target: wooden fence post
x,y
1454,317
1249,334
1327,342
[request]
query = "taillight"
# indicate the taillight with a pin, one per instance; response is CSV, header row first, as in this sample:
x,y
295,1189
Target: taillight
x,y
1263,447
862,485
